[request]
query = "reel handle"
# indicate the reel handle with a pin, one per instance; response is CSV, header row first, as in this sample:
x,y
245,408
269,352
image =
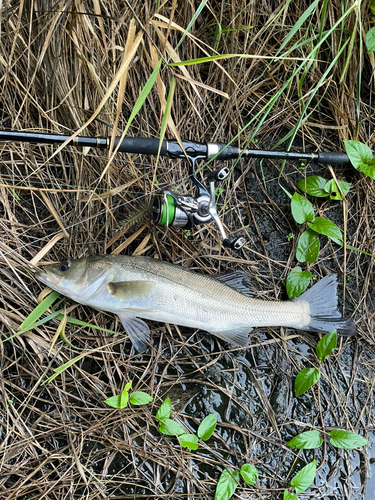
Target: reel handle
x,y
229,242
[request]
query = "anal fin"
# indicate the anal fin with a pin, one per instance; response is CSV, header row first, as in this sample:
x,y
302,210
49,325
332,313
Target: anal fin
x,y
239,337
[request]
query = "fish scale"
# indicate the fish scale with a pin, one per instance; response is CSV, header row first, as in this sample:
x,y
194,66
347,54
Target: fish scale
x,y
142,287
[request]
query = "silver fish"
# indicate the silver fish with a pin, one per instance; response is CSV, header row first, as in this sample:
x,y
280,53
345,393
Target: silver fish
x,y
142,287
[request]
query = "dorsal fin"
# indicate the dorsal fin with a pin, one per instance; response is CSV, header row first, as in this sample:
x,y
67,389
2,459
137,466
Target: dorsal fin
x,y
238,280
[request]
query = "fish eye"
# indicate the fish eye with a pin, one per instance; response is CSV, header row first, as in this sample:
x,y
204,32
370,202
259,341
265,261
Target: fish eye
x,y
64,266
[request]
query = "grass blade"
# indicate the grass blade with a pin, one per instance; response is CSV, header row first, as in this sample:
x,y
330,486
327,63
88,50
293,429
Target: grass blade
x,y
39,310
201,6
201,60
310,10
63,367
142,97
166,116
137,106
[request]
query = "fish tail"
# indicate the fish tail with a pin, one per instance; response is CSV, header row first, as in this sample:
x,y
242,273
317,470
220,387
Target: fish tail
x,y
325,316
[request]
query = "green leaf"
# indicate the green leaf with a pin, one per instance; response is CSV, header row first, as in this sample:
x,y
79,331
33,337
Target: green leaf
x,y
308,247
372,6
297,282
314,186
368,170
128,386
164,411
124,398
332,189
324,226
360,157
306,441
294,30
227,484
346,439
305,379
34,325
207,426
370,40
249,474
139,398
189,441
114,402
171,428
39,310
304,478
196,15
345,186
302,210
289,496
326,345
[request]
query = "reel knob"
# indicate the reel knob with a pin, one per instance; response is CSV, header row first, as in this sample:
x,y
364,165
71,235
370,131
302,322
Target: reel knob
x,y
218,175
234,243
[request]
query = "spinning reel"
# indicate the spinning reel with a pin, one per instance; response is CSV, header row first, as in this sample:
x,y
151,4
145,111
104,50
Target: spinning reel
x,y
175,210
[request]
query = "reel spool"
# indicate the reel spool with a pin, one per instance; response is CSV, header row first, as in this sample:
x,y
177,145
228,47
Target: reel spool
x,y
175,210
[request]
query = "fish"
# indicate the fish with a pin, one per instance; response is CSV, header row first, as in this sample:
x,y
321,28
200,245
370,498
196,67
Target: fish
x,y
137,288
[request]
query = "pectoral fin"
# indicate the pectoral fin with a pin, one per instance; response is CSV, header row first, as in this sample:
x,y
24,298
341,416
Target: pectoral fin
x,y
239,337
138,331
130,290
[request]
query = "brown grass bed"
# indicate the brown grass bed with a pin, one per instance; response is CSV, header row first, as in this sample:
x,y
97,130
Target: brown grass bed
x,y
57,62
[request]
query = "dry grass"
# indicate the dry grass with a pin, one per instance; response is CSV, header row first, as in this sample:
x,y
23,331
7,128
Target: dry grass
x,y
69,66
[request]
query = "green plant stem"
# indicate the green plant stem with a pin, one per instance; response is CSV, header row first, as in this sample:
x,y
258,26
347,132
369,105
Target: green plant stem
x,y
322,424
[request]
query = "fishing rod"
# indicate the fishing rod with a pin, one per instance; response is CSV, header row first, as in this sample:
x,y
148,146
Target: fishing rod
x,y
173,209
173,150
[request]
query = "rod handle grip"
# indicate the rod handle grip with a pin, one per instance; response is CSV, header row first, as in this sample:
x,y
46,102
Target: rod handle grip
x,y
333,158
141,145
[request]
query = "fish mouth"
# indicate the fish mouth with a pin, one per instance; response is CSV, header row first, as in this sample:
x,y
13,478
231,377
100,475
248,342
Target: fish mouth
x,y
47,278
40,275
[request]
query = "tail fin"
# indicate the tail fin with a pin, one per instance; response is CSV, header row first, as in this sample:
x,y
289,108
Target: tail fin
x,y
325,316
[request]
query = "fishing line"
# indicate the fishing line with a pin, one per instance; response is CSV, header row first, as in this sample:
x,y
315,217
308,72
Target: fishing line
x,y
171,209
71,226
103,212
